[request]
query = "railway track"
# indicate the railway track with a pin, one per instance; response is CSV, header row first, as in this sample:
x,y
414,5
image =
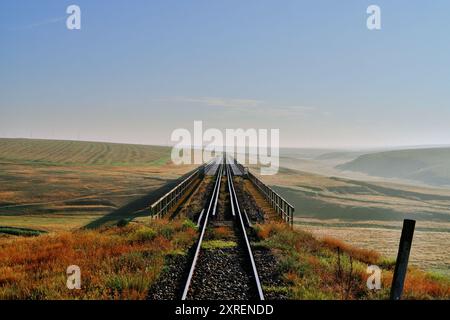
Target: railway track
x,y
224,199
228,271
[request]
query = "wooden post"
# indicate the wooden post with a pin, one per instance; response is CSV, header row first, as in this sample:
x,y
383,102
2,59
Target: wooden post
x,y
401,265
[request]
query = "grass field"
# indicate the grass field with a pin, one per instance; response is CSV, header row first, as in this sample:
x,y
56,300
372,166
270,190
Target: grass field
x,y
370,214
65,185
124,262
331,269
115,263
53,152
58,190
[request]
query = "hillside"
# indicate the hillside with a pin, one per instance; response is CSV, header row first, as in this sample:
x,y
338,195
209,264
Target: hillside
x,y
63,185
79,152
370,214
340,155
430,166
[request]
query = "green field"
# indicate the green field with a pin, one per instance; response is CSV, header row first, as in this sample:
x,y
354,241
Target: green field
x,y
64,185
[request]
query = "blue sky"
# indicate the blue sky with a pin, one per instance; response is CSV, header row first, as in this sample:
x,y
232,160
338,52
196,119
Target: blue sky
x,y
137,70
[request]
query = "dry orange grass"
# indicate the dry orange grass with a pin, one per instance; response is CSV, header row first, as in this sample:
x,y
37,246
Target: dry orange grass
x,y
223,232
264,231
115,263
363,255
313,269
420,285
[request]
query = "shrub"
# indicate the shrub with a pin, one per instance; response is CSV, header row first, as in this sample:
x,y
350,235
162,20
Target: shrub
x,y
167,232
189,224
144,234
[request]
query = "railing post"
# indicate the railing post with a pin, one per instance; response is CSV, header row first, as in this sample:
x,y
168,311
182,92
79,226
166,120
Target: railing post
x,y
401,265
292,216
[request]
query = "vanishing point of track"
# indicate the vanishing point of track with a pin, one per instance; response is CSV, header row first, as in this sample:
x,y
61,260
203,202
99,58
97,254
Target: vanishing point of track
x,y
227,169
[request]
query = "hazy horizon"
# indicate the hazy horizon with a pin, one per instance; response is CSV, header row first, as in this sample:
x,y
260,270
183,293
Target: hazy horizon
x,y
331,149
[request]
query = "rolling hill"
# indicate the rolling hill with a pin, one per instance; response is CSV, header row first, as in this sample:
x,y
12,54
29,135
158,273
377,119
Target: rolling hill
x,y
79,152
370,214
430,166
51,185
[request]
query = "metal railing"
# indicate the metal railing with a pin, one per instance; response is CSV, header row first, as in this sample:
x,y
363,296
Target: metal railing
x,y
171,198
280,205
239,166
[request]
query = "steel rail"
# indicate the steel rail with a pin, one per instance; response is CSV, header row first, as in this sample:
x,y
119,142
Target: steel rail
x,y
200,217
230,191
247,219
234,198
214,198
212,207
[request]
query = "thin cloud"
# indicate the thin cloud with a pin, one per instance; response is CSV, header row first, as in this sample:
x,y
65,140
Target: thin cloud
x,y
218,102
40,24
243,105
290,110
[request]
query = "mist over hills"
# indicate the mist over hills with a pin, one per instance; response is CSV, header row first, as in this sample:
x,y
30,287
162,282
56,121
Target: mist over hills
x,y
429,165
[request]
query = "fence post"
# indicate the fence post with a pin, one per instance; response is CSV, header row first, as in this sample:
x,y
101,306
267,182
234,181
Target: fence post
x,y
401,265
